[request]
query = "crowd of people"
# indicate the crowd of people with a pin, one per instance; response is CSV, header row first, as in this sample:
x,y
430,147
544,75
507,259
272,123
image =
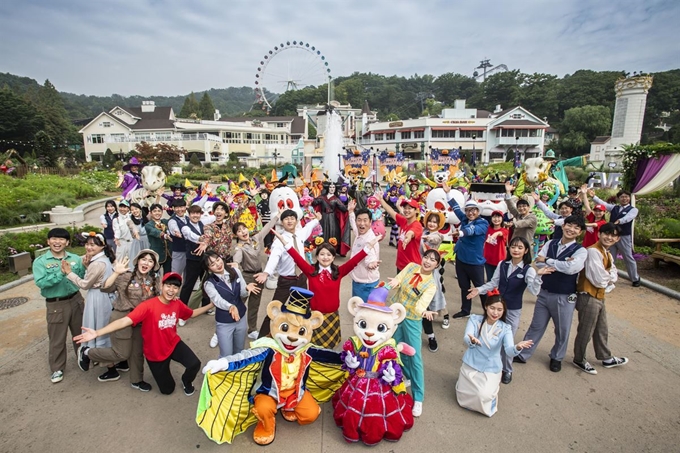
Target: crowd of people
x,y
145,270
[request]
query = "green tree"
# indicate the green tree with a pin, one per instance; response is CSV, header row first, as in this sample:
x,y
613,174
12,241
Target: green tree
x,y
538,93
449,87
206,109
190,106
51,107
580,126
311,131
195,161
19,122
587,87
501,88
44,149
109,159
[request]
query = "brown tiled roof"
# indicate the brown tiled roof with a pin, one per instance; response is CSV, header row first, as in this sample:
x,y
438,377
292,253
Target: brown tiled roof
x,y
264,119
601,139
503,112
551,130
158,119
483,114
518,123
298,125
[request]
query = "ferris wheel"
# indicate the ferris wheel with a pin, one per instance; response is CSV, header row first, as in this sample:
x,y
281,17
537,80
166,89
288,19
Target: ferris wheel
x,y
289,66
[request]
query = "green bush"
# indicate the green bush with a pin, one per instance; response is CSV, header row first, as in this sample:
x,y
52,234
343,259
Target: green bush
x,y
22,200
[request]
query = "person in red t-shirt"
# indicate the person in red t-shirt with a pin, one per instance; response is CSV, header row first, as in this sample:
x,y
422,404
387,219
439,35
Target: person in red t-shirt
x,y
495,247
159,317
410,231
594,219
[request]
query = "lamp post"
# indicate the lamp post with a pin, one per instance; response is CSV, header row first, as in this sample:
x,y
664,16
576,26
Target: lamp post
x,y
276,155
427,167
474,152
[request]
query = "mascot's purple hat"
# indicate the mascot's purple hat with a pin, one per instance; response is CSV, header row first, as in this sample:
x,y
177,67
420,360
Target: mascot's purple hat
x,y
376,300
133,163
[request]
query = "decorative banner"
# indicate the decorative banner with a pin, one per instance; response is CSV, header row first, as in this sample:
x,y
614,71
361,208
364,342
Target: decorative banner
x,y
356,164
445,159
390,160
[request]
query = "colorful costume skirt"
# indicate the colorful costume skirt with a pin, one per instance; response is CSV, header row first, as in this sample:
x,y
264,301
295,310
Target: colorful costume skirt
x,y
368,410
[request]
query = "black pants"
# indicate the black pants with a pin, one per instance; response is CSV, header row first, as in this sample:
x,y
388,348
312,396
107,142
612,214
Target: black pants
x,y
192,273
161,370
467,273
281,294
427,327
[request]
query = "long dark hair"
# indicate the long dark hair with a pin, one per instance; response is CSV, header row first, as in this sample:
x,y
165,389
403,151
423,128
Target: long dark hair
x,y
153,274
489,301
142,219
115,208
212,255
526,259
108,251
335,272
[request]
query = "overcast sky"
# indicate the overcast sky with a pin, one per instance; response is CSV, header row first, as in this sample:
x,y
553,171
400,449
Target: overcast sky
x,y
172,47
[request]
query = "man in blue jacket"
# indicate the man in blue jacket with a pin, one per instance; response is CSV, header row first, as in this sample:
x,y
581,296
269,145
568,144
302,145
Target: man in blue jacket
x,y
469,250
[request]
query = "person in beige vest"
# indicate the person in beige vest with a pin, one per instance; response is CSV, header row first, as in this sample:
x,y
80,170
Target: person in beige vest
x,y
596,279
524,221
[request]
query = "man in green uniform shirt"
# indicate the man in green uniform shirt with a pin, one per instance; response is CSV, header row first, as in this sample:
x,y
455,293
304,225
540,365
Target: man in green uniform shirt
x,y
63,299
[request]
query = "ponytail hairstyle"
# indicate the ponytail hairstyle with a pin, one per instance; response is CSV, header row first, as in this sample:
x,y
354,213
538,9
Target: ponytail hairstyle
x,y
108,251
335,271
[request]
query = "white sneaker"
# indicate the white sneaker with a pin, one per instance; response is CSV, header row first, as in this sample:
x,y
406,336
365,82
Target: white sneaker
x,y
417,409
57,376
253,335
182,322
210,312
214,341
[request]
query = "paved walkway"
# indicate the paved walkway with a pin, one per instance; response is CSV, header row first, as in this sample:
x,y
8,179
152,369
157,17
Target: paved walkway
x,y
629,409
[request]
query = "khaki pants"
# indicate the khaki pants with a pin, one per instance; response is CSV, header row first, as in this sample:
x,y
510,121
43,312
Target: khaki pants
x,y
126,344
63,316
592,324
253,301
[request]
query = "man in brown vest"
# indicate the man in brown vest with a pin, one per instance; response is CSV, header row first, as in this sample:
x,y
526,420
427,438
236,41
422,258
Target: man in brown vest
x,y
597,278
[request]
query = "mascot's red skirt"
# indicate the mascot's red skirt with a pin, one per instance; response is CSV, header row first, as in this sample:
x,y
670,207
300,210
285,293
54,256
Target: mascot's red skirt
x,y
368,410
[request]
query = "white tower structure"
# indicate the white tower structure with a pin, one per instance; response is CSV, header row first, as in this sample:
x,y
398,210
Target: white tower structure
x,y
629,113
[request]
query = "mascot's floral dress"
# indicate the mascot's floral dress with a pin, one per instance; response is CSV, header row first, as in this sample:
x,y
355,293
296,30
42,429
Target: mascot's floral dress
x,y
366,407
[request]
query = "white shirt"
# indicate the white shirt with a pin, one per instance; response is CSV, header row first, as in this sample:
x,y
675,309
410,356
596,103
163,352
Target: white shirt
x,y
569,267
361,273
595,271
279,259
120,229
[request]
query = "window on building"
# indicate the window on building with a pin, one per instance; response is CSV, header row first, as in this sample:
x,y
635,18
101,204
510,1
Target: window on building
x,y
269,137
469,134
107,124
443,134
516,116
97,138
280,125
418,134
389,136
117,137
406,135
379,136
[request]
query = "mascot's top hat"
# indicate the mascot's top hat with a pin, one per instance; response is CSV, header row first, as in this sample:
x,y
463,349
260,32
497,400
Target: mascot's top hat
x,y
376,299
133,163
298,302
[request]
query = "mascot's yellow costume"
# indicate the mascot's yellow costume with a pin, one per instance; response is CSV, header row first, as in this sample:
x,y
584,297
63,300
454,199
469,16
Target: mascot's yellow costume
x,y
294,377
